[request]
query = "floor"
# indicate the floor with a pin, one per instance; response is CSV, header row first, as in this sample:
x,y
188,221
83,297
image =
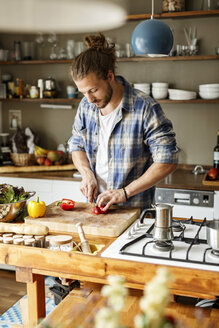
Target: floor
x,y
10,290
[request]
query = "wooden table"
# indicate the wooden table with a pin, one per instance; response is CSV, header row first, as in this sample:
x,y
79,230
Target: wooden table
x,y
33,264
80,307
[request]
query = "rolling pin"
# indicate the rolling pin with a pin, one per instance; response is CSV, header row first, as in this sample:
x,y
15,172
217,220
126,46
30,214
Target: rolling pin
x,y
84,243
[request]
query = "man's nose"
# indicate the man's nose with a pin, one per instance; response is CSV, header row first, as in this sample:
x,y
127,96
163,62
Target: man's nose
x,y
90,98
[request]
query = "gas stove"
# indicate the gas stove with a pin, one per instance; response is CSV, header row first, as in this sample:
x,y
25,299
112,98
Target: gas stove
x,y
188,247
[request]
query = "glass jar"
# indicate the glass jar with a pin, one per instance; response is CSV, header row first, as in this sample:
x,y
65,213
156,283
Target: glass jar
x,y
7,240
29,242
7,235
173,5
34,92
18,241
40,241
27,236
61,243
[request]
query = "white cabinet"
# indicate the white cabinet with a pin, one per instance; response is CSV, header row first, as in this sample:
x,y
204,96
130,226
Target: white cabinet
x,y
48,190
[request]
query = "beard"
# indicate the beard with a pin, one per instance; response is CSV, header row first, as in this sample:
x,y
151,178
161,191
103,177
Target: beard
x,y
105,101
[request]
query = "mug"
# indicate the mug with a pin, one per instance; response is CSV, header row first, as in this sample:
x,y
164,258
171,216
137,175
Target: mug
x,y
71,91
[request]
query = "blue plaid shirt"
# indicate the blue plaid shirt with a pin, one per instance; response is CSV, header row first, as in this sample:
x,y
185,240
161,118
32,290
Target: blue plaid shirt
x,y
141,134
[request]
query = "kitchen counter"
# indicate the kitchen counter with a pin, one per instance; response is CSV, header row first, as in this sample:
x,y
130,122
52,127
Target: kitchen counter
x,y
182,178
33,264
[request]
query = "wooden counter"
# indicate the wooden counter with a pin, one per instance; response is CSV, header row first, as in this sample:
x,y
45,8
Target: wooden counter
x,y
182,178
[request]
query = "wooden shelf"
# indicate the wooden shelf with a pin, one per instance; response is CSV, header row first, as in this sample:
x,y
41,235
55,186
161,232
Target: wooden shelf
x,y
169,58
123,59
44,100
37,62
179,14
77,100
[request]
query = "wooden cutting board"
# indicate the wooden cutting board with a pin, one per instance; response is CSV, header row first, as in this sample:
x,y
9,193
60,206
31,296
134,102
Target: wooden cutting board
x,y
208,182
111,224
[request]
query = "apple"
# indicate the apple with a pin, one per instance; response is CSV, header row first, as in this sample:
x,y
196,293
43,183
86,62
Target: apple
x,y
61,153
41,160
213,173
48,162
53,155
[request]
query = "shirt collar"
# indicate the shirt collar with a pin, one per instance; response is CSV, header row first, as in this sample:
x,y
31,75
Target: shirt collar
x,y
128,100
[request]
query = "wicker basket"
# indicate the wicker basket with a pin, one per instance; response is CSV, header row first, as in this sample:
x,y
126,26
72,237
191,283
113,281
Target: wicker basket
x,y
23,159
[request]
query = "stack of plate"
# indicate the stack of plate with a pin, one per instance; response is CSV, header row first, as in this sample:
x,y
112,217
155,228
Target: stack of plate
x,y
144,87
209,91
175,94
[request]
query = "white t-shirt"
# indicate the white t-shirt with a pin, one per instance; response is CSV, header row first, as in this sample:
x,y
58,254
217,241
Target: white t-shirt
x,y
106,123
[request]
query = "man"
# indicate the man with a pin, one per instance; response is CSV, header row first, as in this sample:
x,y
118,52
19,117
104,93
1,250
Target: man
x,y
122,143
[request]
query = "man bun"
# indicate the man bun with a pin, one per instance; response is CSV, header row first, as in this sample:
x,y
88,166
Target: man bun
x,y
99,43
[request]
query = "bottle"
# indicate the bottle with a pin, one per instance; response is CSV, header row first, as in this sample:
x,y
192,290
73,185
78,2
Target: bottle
x,y
216,153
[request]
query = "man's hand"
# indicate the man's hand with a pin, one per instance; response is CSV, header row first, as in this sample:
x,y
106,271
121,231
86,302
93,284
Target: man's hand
x,y
89,187
110,197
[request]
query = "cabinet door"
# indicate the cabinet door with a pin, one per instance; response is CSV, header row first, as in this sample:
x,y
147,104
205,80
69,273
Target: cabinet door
x,y
67,189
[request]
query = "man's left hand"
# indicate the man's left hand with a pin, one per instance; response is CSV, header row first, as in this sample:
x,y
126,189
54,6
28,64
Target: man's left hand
x,y
110,197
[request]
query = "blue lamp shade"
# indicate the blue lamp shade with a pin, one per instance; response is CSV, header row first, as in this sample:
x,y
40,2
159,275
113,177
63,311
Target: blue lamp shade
x,y
152,38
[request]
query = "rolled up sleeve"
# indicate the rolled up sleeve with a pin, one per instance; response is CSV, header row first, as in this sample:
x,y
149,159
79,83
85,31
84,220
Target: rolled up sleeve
x,y
159,136
75,142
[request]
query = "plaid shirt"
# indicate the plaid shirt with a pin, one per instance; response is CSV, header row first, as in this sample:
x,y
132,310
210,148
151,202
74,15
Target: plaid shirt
x,y
141,134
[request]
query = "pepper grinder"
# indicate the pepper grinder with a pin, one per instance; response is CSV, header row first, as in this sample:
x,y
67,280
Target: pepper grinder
x,y
84,243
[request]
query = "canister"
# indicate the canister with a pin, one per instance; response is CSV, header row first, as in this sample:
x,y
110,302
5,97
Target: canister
x,y
61,243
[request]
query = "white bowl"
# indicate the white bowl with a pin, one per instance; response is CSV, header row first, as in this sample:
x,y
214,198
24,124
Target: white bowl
x,y
211,85
207,95
142,85
161,94
160,88
213,89
160,84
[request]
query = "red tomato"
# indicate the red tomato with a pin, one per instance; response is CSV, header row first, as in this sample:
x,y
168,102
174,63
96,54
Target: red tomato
x,y
96,210
102,209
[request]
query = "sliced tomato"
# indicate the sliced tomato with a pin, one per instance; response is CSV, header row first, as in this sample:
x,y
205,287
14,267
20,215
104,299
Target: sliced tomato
x,y
102,211
96,210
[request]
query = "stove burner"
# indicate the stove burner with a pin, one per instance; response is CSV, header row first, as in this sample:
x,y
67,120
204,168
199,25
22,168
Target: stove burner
x,y
163,246
177,226
215,253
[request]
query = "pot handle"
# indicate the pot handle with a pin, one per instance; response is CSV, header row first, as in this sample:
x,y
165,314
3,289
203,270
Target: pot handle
x,y
150,211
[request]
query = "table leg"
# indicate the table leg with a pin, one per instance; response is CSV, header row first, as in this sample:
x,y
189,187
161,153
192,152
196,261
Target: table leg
x,y
36,300
35,294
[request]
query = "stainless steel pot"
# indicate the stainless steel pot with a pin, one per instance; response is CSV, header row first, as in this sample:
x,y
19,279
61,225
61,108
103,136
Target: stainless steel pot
x,y
212,234
163,222
10,211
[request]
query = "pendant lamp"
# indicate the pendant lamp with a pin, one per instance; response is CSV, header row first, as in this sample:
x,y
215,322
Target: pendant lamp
x,y
60,16
152,38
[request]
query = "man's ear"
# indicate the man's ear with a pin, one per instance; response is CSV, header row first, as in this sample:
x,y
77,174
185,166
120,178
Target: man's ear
x,y
110,76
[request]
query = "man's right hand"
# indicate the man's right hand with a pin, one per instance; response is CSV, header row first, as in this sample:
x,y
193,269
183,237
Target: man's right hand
x,y
89,187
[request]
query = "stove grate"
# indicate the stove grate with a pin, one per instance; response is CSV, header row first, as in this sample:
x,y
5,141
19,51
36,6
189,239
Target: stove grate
x,y
192,241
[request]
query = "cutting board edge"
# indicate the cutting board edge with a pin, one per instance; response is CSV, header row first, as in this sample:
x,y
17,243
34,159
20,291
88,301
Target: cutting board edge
x,y
109,232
